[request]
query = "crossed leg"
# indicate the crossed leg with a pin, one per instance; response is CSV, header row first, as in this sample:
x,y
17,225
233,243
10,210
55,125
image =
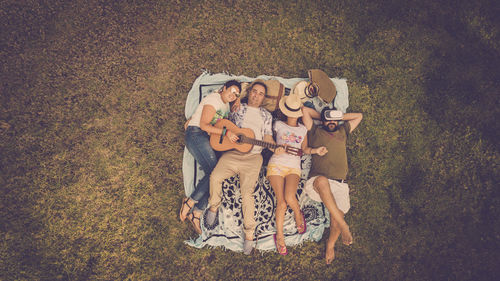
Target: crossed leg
x,y
330,244
337,223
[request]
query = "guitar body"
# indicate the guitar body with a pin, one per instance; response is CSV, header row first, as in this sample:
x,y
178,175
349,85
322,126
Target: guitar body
x,y
245,142
226,144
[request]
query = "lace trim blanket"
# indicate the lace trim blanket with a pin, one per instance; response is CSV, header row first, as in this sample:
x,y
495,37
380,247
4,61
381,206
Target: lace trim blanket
x,y
227,230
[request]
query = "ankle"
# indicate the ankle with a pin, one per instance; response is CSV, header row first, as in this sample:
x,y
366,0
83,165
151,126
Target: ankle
x,y
343,226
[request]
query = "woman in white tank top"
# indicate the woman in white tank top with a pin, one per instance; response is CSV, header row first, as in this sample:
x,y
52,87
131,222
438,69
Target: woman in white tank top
x,y
213,107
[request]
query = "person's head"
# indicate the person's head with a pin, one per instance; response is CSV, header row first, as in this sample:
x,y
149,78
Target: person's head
x,y
291,106
230,91
328,125
257,91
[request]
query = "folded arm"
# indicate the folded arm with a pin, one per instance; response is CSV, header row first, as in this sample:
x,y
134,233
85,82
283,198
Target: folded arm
x,y
308,114
353,119
206,117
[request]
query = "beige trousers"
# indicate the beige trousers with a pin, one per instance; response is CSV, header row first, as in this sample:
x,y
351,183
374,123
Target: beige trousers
x,y
247,166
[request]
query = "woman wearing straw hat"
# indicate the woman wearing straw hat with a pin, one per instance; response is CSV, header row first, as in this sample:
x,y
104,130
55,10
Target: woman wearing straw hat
x,y
283,169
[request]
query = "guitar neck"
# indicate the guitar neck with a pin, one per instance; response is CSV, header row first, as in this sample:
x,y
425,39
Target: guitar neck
x,y
258,142
290,150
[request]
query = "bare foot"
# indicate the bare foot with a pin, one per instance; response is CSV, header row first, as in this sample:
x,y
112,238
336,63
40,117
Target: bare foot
x,y
346,235
330,251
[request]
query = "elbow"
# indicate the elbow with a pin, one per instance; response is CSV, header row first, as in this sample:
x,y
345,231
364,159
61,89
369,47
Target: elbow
x,y
205,127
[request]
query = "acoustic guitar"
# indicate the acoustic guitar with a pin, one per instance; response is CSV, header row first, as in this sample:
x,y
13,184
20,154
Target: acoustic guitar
x,y
246,140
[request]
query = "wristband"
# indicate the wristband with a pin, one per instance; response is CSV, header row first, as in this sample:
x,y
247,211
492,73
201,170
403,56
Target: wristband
x,y
224,131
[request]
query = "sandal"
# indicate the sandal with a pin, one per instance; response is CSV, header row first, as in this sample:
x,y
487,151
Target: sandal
x,y
196,226
184,202
303,225
282,250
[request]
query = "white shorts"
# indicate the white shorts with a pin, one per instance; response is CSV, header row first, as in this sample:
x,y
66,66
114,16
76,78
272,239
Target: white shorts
x,y
339,190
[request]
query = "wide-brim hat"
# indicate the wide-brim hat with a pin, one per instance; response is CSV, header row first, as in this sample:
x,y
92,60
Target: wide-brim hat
x,y
326,89
291,105
305,90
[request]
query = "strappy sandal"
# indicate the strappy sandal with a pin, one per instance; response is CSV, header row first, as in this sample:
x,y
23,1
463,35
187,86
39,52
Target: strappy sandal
x,y
196,227
282,250
184,202
303,225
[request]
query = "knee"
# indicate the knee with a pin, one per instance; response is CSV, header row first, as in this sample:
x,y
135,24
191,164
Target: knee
x,y
211,161
215,180
281,205
320,183
247,189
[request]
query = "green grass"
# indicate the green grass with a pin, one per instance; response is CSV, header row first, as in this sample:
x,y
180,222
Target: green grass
x,y
91,138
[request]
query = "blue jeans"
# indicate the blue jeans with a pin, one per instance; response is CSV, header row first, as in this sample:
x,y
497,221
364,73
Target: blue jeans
x,y
198,143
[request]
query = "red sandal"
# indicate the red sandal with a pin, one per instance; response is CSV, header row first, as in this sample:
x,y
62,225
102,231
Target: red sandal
x,y
303,225
282,250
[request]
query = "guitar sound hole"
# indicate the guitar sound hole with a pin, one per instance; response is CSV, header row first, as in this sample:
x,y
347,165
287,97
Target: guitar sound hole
x,y
240,138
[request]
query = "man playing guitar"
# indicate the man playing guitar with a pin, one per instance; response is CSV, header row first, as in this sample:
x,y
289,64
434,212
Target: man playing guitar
x,y
247,165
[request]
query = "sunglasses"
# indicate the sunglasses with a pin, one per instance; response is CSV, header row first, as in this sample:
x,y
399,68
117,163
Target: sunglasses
x,y
235,92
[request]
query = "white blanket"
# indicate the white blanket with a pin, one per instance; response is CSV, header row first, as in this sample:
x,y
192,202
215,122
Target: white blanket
x,y
227,231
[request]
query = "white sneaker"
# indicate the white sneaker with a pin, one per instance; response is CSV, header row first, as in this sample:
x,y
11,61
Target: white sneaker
x,y
211,217
247,247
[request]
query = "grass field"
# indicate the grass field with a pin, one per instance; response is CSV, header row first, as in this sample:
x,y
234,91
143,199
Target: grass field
x,y
91,138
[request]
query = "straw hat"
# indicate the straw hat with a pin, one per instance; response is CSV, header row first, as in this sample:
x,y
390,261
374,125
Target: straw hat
x,y
325,86
305,90
291,105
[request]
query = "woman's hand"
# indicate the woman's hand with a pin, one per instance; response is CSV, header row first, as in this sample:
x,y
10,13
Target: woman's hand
x,y
186,124
232,136
321,151
236,105
279,150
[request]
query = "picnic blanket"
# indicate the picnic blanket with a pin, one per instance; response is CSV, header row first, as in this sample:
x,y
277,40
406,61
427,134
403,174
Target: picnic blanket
x,y
227,230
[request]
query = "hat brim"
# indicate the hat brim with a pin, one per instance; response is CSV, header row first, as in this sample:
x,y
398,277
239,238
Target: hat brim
x,y
287,112
300,89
